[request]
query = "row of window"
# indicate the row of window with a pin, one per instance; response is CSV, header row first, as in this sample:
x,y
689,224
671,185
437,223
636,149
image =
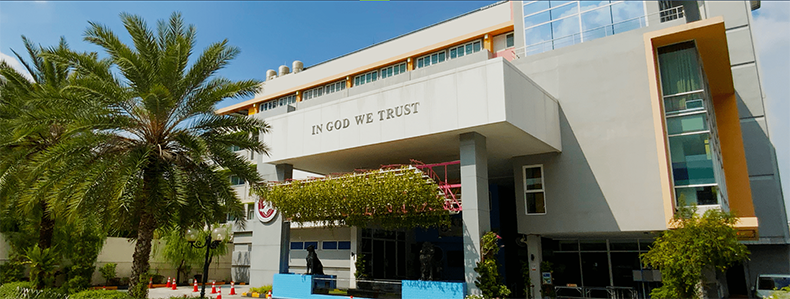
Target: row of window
x,y
386,72
322,90
325,245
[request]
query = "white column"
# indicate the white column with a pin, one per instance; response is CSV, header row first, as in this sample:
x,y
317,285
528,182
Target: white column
x,y
474,196
352,268
535,258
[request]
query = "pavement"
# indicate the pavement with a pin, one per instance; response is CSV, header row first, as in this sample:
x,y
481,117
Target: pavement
x,y
186,292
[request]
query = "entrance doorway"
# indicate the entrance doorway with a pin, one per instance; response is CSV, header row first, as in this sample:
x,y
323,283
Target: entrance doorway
x,y
386,252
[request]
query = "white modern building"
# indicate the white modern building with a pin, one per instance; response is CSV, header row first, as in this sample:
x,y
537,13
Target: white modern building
x,y
579,126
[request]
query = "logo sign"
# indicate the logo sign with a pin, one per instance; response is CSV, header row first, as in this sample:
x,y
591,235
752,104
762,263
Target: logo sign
x,y
264,211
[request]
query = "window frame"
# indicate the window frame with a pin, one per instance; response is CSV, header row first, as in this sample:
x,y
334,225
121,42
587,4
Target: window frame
x,y
401,67
427,58
541,190
360,79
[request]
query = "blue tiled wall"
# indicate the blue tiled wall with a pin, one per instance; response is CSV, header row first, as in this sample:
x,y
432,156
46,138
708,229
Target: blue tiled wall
x,y
418,289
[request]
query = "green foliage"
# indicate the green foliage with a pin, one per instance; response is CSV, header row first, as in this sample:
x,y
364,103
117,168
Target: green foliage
x,y
99,294
362,267
176,251
43,264
108,271
526,278
783,293
698,243
262,290
9,290
489,281
82,243
474,297
12,270
384,198
150,147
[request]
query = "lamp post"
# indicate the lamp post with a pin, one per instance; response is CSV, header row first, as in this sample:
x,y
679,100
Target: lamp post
x,y
212,241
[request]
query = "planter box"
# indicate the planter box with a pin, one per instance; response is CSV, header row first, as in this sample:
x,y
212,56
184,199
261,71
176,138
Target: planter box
x,y
420,289
300,286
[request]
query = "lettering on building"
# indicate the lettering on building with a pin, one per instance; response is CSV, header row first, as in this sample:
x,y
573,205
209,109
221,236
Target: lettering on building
x,y
367,118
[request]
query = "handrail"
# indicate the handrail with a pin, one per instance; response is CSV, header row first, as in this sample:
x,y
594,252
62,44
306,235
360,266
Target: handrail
x,y
670,14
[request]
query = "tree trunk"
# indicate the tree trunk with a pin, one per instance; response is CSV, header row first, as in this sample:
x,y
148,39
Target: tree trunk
x,y
142,251
47,227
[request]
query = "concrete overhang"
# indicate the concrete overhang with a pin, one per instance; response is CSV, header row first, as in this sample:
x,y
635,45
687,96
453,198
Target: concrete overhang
x,y
421,119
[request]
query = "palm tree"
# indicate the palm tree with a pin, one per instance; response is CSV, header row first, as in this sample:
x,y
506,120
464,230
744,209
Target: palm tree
x,y
27,130
154,144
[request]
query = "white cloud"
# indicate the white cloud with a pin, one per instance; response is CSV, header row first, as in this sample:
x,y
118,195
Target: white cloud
x,y
11,60
772,39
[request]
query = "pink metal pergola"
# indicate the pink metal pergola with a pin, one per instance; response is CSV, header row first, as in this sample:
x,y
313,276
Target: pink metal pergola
x,y
449,190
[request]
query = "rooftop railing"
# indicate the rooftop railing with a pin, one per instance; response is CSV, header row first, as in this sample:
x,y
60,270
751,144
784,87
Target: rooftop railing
x,y
602,31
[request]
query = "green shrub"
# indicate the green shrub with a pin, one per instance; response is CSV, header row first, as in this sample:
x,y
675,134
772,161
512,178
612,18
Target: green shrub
x,y
99,294
13,270
8,290
263,290
108,271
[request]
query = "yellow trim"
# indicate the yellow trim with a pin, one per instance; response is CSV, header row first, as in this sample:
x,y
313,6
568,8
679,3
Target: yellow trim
x,y
253,109
711,40
496,29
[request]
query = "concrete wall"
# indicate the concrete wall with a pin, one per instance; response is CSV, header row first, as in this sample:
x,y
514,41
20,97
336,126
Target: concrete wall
x,y
120,250
335,262
606,179
769,205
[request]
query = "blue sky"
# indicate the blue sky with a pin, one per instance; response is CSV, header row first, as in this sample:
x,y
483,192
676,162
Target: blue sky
x,y
270,34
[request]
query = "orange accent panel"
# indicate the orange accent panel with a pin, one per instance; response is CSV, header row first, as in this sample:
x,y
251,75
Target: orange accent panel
x,y
711,40
253,109
349,83
410,64
298,96
493,30
736,174
488,43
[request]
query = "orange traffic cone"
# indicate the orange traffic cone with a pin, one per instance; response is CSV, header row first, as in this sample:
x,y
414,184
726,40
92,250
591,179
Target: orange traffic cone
x,y
104,288
213,287
168,282
150,282
174,284
194,287
220,293
269,295
232,289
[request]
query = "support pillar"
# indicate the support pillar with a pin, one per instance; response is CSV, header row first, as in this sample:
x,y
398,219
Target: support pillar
x,y
475,199
535,258
284,172
352,267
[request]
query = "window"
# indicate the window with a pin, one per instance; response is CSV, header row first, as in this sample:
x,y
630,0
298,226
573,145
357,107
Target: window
x,y
365,78
534,194
322,90
430,59
250,211
509,42
336,245
554,24
313,243
694,150
297,245
289,99
234,148
466,49
234,180
393,70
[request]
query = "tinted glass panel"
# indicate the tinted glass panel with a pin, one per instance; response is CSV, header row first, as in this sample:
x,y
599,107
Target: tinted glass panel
x,y
533,178
684,103
343,245
697,195
692,162
535,203
297,245
688,123
306,244
564,11
565,32
595,23
623,245
593,245
569,245
329,245
627,15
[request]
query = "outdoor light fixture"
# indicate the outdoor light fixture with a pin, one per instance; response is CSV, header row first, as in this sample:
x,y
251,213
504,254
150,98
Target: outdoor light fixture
x,y
211,241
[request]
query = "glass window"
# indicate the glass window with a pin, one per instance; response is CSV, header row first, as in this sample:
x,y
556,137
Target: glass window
x,y
331,245
314,243
476,46
297,245
469,48
684,103
344,245
687,123
697,195
441,56
692,163
539,34
509,41
234,180
596,23
556,3
565,32
627,15
250,211
533,189
679,69
531,8
564,11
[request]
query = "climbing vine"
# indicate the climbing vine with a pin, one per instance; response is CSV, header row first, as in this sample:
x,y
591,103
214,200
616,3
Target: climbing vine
x,y
389,198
